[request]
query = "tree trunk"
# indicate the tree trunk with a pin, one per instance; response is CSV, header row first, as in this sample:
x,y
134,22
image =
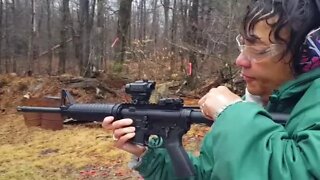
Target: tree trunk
x,y
183,15
173,36
142,20
230,40
101,34
63,37
32,49
37,41
89,66
86,23
166,4
7,38
84,40
76,39
1,34
49,45
122,31
192,40
155,23
87,19
14,31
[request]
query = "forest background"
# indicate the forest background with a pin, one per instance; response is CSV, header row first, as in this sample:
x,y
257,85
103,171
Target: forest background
x,y
81,37
93,48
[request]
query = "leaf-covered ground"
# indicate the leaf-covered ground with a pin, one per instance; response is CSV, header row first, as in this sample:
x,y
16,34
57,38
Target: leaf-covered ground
x,y
72,153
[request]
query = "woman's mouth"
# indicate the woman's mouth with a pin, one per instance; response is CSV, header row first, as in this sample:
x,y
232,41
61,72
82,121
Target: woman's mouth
x,y
247,78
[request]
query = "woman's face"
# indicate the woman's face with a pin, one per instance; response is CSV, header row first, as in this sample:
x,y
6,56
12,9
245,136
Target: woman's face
x,y
261,66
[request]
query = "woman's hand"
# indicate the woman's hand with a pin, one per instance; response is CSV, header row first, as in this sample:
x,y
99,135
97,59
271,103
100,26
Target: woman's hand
x,y
216,100
122,132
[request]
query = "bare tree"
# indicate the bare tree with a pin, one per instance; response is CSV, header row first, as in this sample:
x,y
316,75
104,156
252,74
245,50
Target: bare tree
x,y
101,33
124,17
86,19
173,34
84,39
75,38
63,36
14,33
142,20
49,31
37,43
166,7
184,4
7,37
1,33
192,39
32,46
155,22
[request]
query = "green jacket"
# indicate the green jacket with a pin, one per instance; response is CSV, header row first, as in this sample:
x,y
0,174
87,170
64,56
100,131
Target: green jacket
x,y
245,143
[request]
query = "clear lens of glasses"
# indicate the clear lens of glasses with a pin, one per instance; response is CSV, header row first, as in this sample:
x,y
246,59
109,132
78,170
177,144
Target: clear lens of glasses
x,y
260,51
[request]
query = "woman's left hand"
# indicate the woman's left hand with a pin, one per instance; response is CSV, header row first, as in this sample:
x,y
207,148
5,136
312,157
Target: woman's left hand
x,y
216,100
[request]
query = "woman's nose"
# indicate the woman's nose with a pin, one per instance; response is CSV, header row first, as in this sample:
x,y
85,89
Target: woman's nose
x,y
243,61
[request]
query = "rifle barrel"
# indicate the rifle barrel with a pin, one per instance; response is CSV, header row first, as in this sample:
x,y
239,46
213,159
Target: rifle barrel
x,y
39,109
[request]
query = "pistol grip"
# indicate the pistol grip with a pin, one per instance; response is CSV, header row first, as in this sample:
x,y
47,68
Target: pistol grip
x,y
180,159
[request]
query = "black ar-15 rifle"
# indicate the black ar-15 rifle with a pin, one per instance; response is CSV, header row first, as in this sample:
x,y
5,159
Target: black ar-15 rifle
x,y
168,119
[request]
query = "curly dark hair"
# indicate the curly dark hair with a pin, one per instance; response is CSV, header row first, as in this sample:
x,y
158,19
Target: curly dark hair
x,y
301,16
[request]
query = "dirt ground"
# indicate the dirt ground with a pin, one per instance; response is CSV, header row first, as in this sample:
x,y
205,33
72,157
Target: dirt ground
x,y
82,151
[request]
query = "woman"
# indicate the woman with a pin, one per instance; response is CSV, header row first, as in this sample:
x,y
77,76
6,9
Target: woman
x,y
279,59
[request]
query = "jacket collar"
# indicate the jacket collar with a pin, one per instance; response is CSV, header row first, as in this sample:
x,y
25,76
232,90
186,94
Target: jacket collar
x,y
294,87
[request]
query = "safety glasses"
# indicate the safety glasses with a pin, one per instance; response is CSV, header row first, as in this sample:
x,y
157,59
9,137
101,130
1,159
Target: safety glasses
x,y
258,52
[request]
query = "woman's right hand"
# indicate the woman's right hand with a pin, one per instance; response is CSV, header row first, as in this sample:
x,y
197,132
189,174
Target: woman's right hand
x,y
122,133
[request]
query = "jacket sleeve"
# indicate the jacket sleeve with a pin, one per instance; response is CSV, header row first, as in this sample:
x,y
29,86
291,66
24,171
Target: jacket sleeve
x,y
248,145
245,143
